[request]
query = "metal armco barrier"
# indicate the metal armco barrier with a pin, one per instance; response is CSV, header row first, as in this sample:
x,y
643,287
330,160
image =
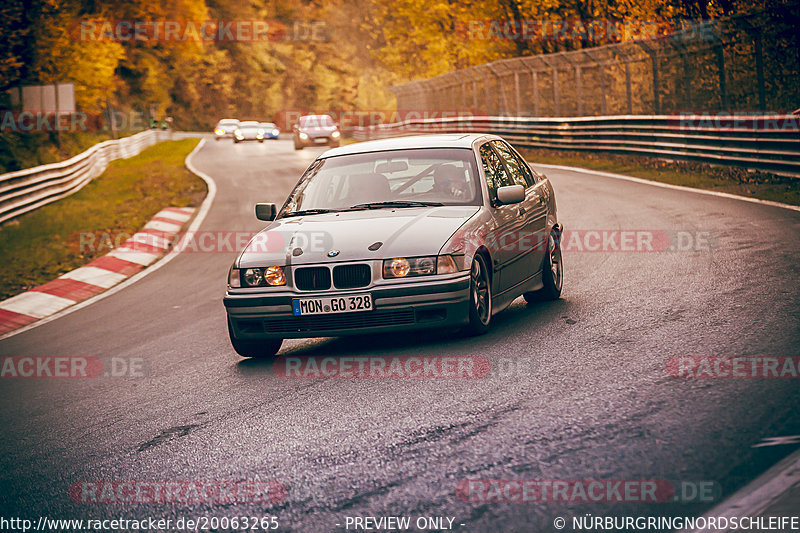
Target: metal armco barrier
x,y
25,190
763,142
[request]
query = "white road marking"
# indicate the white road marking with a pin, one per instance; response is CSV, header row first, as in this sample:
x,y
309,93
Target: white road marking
x,y
777,441
95,276
162,226
35,304
175,215
128,254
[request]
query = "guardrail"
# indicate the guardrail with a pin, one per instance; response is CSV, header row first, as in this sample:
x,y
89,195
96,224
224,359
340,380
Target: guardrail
x,y
25,190
769,143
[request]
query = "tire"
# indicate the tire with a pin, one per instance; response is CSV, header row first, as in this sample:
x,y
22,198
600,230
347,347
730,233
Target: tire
x,y
480,297
334,145
236,141
261,140
216,138
256,349
297,146
552,272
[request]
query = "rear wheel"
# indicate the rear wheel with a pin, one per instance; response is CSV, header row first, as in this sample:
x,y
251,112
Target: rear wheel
x,y
552,272
480,297
254,348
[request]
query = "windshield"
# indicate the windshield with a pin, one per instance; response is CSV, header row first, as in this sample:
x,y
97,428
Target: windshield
x,y
397,179
316,121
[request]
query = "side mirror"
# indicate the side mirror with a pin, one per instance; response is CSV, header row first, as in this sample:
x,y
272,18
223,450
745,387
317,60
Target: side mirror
x,y
511,194
266,212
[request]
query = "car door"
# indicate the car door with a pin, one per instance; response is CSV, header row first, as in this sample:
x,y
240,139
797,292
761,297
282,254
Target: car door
x,y
503,241
533,209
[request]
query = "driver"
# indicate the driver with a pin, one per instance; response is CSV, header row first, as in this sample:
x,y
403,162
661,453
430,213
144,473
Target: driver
x,y
449,180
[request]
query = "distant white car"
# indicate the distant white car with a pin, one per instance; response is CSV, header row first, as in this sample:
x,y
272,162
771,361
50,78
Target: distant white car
x,y
249,130
225,128
404,233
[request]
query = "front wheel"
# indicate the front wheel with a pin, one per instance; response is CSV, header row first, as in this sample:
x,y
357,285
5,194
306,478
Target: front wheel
x,y
480,297
254,348
552,272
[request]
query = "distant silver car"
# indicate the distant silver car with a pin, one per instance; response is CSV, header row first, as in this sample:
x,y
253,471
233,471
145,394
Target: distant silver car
x,y
249,130
225,128
403,233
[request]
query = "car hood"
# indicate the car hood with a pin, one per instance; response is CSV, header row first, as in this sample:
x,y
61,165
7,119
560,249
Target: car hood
x,y
404,232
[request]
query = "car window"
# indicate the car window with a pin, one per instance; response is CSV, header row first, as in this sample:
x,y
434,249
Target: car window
x,y
433,175
496,174
520,171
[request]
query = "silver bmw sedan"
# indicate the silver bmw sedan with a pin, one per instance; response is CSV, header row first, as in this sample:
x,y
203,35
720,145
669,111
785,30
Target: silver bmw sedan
x,y
412,232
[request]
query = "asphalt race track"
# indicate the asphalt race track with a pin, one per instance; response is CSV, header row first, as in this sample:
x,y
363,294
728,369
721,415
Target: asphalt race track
x,y
579,388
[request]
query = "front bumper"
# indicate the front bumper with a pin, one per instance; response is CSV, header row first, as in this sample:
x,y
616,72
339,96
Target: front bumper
x,y
397,307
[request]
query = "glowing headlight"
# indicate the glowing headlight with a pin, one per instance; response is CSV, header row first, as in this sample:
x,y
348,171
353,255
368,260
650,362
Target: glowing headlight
x,y
402,267
303,135
259,277
335,134
219,131
275,132
238,133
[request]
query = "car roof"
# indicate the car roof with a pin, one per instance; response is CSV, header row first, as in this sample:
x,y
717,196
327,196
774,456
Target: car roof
x,y
449,140
229,120
249,123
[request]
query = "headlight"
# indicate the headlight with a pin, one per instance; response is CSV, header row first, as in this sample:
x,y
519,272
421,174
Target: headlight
x,y
335,134
233,278
403,267
303,135
275,132
219,131
260,277
446,265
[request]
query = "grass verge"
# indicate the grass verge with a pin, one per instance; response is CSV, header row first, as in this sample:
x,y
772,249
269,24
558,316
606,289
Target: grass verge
x,y
41,245
733,180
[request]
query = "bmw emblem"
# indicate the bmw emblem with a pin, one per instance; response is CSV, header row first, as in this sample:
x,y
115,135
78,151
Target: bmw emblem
x,y
333,253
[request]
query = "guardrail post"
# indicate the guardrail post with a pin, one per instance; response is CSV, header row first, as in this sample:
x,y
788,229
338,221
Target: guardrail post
x,y
556,96
516,93
536,93
628,94
723,90
579,89
759,49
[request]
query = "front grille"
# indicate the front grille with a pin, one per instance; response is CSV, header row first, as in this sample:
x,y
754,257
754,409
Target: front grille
x,y
366,319
351,276
312,279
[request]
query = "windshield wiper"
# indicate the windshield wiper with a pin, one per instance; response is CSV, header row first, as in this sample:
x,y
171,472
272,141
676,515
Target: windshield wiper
x,y
310,212
395,203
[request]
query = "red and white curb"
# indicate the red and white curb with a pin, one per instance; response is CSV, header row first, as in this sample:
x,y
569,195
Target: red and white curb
x,y
142,249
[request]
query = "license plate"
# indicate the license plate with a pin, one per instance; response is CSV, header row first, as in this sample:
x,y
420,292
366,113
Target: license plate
x,y
351,303
321,140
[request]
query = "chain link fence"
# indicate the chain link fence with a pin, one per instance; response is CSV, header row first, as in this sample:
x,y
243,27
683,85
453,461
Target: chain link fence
x,y
744,63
